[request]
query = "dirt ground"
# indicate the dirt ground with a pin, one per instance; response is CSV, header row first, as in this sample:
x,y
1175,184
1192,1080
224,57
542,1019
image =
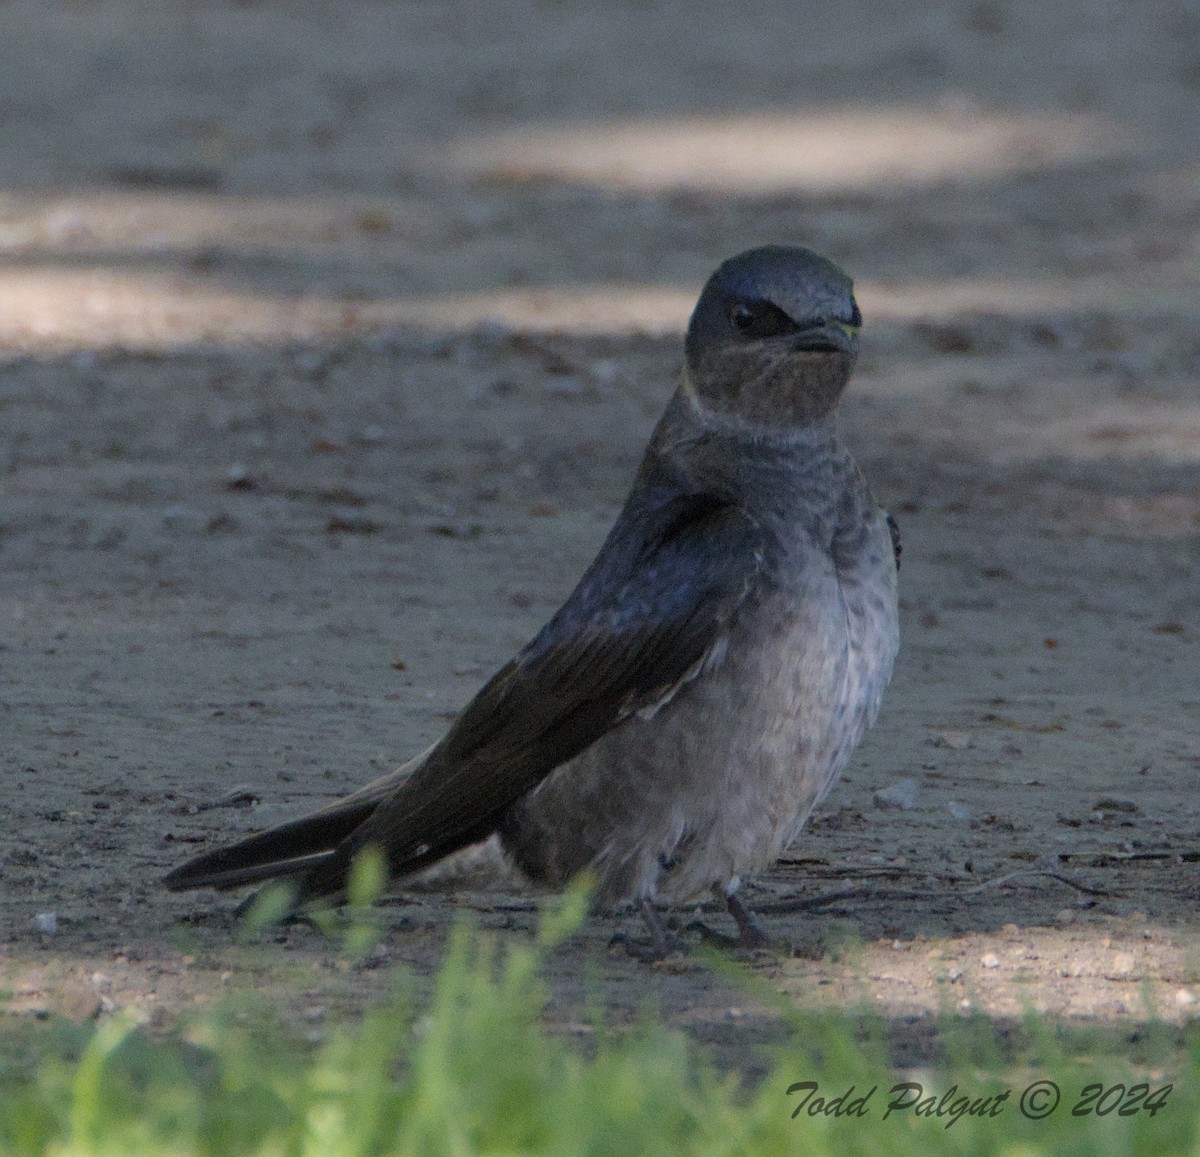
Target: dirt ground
x,y
330,337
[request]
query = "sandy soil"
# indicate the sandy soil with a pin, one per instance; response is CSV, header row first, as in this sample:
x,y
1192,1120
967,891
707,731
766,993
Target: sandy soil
x,y
329,344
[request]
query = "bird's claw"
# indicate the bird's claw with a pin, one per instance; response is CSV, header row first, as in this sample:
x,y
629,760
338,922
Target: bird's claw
x,y
749,941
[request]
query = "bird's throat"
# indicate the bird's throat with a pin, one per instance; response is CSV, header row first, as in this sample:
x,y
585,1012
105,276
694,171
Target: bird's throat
x,y
777,396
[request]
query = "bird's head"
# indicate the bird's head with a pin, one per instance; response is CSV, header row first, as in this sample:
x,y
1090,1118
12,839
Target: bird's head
x,y
773,338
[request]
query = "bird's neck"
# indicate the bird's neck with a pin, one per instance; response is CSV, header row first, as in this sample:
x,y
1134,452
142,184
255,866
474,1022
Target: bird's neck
x,y
769,432
730,455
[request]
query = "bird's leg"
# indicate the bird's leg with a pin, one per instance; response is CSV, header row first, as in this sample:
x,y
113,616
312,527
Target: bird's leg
x,y
751,935
664,942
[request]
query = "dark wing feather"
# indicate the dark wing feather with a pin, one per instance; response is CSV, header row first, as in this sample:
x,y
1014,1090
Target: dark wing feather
x,y
290,848
638,623
649,610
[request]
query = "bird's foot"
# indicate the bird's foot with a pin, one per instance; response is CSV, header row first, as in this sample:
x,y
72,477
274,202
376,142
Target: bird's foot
x,y
751,937
662,943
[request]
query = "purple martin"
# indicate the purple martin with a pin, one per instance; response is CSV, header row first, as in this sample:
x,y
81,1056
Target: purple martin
x,y
670,729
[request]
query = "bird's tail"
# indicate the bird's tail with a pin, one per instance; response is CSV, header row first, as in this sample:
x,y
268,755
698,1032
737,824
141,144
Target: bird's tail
x,y
289,850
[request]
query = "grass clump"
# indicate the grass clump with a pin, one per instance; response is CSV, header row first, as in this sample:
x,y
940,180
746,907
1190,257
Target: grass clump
x,y
473,1070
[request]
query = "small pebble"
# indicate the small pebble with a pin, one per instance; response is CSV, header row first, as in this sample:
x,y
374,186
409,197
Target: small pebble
x,y
46,922
990,960
371,436
955,740
959,811
902,794
244,795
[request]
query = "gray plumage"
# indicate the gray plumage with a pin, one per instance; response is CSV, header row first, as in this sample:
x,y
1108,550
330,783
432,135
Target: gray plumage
x,y
700,690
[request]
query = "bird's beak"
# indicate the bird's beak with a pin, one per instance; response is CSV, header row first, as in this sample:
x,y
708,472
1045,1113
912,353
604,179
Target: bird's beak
x,y
830,337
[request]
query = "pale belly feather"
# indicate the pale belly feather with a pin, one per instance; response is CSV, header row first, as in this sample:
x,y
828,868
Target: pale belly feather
x,y
714,785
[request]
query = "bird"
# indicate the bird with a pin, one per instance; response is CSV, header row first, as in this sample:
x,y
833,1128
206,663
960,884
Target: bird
x,y
672,726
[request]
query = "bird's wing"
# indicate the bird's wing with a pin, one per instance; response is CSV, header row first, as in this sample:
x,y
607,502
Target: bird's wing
x,y
897,545
642,620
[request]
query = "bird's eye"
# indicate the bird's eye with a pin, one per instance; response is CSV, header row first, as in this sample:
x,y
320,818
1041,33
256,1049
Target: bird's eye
x,y
760,319
741,317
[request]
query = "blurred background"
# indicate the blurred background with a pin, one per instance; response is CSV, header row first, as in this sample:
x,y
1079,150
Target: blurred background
x,y
245,170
